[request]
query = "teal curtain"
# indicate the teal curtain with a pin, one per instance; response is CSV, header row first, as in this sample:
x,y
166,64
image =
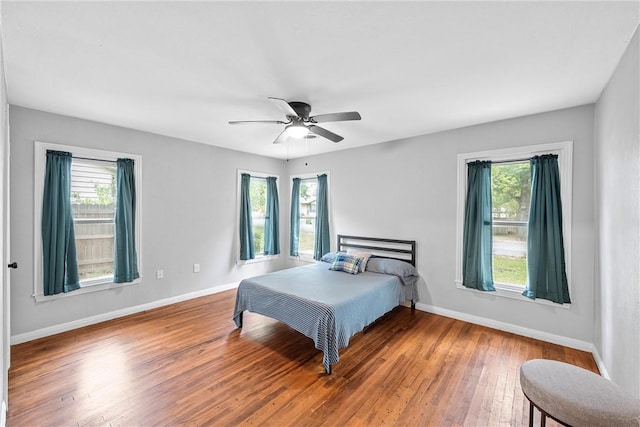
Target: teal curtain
x,y
322,243
477,263
272,219
294,237
546,270
59,263
126,258
247,249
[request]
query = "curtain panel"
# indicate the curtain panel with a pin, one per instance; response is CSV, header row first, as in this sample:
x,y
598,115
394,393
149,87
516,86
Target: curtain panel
x,y
59,264
546,269
477,262
294,237
322,243
125,256
272,219
247,249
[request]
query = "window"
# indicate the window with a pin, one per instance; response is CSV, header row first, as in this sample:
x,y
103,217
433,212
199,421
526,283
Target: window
x,y
309,205
93,195
258,192
262,221
307,209
93,207
510,199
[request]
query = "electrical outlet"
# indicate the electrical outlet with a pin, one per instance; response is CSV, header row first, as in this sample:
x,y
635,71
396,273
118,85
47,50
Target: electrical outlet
x,y
196,268
160,274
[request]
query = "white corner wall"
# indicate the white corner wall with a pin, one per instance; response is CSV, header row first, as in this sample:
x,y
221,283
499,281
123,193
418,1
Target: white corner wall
x,y
617,165
4,242
189,215
407,190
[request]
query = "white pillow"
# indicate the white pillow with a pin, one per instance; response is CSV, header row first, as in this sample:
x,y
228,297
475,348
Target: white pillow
x,y
364,257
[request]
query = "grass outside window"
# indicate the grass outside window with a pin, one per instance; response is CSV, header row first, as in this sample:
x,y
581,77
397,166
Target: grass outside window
x,y
511,270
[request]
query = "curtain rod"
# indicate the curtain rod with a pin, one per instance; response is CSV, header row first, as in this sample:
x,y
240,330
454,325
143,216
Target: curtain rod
x,y
90,158
94,160
499,162
513,161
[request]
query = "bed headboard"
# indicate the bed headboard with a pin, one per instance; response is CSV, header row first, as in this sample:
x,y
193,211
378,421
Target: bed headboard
x,y
404,250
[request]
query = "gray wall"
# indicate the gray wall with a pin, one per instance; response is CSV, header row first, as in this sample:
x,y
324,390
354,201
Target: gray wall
x,y
617,307
189,194
407,190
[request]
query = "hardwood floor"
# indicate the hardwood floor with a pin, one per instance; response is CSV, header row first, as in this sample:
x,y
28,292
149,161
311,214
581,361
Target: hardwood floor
x,y
187,364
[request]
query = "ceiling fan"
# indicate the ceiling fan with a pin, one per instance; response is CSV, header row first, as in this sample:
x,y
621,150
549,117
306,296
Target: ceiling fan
x,y
300,124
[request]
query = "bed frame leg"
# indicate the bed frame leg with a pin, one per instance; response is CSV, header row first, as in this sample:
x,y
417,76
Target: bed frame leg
x,y
413,304
240,319
327,369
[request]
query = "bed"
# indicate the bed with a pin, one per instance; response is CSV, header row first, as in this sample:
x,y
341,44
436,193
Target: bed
x,y
326,303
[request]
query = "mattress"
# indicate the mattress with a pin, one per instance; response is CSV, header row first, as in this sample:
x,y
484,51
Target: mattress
x,y
327,306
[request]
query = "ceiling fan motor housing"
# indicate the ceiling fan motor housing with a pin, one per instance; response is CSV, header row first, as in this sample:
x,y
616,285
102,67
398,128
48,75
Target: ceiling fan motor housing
x,y
301,108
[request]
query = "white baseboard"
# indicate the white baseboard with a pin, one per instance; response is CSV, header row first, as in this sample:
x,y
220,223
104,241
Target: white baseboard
x,y
601,366
64,327
508,327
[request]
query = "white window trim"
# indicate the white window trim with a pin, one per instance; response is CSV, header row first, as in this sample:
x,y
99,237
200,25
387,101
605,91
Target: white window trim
x,y
564,150
304,257
40,161
259,257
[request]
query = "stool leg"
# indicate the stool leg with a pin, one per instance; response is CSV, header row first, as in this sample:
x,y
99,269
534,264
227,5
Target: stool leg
x,y
530,414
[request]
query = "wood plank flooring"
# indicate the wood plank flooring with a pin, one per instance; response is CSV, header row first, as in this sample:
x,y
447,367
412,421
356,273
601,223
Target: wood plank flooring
x,y
187,364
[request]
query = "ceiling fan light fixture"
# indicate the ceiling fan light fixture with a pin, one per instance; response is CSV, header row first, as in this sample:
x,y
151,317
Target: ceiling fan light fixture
x,y
297,131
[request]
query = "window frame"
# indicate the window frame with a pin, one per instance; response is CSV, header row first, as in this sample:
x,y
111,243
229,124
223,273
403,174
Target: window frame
x,y
259,257
305,176
40,161
564,150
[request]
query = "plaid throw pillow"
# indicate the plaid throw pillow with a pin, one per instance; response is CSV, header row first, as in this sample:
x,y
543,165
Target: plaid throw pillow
x,y
362,256
346,263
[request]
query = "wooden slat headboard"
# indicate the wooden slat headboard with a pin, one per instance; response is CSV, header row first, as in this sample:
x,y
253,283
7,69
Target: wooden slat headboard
x,y
404,250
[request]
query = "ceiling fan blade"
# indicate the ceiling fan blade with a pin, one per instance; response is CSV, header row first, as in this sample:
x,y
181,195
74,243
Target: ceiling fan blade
x,y
242,122
284,106
335,117
281,138
325,133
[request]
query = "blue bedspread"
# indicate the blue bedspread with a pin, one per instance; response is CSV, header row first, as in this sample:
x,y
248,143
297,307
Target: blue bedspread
x,y
327,306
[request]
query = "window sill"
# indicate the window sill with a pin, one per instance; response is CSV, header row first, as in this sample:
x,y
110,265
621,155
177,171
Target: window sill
x,y
257,259
302,258
87,289
512,292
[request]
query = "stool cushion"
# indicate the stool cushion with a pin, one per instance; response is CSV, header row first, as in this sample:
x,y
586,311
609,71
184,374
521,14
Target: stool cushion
x,y
576,396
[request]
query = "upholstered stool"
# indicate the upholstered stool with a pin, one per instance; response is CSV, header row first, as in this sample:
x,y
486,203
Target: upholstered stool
x,y
574,396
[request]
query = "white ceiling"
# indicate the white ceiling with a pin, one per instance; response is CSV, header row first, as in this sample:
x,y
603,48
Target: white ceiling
x,y
184,69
